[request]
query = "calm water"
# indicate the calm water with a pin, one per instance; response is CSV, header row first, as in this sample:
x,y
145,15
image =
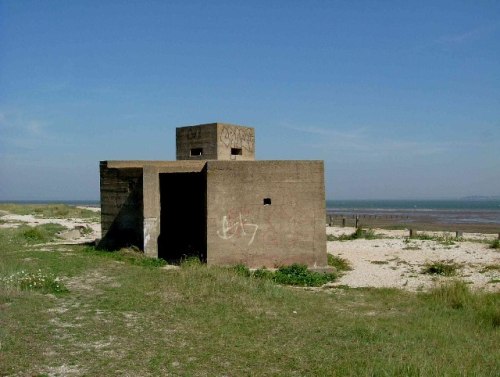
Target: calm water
x,y
439,211
453,205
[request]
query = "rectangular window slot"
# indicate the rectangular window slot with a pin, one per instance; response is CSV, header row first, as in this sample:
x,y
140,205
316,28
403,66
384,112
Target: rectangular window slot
x,y
236,152
267,201
196,151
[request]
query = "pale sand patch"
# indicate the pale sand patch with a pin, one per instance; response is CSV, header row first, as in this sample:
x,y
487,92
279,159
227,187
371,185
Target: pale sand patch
x,y
72,236
391,262
90,208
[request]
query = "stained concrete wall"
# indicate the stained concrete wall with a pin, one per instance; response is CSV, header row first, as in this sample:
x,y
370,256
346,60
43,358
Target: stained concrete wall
x,y
152,199
197,137
218,141
241,228
121,206
235,137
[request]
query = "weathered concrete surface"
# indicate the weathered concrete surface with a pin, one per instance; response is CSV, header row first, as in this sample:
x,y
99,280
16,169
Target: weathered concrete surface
x,y
221,205
241,228
121,207
215,141
152,199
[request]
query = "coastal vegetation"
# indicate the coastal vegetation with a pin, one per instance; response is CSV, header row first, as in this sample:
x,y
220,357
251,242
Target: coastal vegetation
x,y
75,310
359,233
57,211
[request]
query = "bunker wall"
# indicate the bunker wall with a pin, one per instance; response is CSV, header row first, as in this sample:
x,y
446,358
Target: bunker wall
x,y
196,142
121,207
266,213
235,143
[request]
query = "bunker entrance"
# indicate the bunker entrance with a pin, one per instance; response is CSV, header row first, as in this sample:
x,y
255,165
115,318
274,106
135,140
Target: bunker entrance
x,y
182,216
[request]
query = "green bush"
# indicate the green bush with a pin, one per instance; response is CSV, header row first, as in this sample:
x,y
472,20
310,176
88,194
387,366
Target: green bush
x,y
298,274
263,273
440,268
495,244
242,270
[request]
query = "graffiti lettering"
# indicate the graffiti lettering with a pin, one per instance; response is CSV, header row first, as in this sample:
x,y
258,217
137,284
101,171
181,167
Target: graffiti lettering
x,y
235,227
237,138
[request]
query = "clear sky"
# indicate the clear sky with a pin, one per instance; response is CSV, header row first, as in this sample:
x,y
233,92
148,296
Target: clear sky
x,y
400,99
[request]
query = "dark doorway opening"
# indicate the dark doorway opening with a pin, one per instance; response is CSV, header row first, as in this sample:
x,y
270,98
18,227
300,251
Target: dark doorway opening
x,y
183,216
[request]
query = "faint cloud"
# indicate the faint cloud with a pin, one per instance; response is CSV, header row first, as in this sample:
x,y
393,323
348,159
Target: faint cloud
x,y
467,36
457,39
361,142
19,131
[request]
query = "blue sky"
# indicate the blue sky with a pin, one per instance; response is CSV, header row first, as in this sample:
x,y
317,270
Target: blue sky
x,y
400,99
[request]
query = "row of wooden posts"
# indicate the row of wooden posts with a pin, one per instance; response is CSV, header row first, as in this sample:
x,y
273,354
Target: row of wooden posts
x,y
413,232
357,218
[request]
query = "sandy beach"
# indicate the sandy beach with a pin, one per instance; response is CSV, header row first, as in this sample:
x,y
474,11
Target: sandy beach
x,y
394,261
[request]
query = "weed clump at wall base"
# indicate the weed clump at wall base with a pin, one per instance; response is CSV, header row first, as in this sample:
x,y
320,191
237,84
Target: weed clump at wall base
x,y
298,274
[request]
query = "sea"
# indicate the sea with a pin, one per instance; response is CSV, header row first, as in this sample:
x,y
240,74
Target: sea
x,y
474,212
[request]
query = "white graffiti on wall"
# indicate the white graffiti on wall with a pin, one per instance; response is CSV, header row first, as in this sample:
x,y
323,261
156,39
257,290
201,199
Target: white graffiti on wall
x,y
238,138
234,226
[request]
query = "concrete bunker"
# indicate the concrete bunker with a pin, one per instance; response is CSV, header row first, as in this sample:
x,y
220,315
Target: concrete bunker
x,y
221,205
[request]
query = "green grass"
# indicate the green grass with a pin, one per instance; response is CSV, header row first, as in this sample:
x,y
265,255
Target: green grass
x,y
125,315
40,233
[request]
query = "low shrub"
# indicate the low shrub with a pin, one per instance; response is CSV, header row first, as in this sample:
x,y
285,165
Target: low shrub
x,y
298,274
263,273
295,274
242,270
440,268
495,244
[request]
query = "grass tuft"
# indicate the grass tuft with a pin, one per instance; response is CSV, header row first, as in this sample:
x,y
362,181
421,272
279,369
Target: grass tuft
x,y
495,244
40,233
339,263
359,233
440,268
127,255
